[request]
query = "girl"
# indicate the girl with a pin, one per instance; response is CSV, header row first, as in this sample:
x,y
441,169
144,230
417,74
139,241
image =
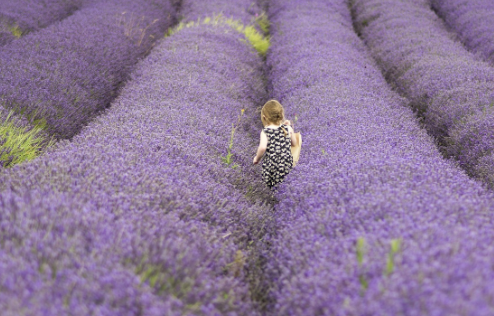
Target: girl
x,y
277,137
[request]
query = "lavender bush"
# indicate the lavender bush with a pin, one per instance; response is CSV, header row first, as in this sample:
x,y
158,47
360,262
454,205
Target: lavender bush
x,y
138,214
64,255
230,9
69,71
444,82
472,21
18,17
372,221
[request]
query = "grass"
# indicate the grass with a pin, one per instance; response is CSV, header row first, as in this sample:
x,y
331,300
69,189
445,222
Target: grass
x,y
228,159
19,144
16,31
263,22
253,36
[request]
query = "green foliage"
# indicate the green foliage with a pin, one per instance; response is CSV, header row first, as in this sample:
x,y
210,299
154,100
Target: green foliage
x,y
364,284
228,158
395,247
162,280
253,36
19,144
263,22
16,31
257,40
360,251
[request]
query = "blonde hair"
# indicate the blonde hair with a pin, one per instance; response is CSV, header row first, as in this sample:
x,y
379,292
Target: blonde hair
x,y
272,113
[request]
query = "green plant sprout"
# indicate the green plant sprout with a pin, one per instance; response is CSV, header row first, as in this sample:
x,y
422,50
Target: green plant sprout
x,y
228,158
19,144
263,22
161,279
360,251
16,31
255,38
361,248
395,247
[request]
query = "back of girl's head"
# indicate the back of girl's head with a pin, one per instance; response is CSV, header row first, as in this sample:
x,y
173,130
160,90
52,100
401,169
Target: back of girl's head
x,y
272,113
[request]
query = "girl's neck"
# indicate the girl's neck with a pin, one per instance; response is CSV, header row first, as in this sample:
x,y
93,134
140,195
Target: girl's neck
x,y
273,125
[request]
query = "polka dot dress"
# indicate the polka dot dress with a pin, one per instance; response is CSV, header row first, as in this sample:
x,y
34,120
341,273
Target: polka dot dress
x,y
278,160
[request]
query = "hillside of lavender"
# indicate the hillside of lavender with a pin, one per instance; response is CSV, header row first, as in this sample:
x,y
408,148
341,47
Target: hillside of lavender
x,y
128,128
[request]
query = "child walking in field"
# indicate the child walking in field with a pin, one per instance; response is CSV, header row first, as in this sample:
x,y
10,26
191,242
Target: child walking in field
x,y
277,137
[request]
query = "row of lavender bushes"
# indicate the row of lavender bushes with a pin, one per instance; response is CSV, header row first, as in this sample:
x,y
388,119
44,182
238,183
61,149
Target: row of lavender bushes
x,y
139,214
472,21
19,17
65,74
446,84
65,78
372,221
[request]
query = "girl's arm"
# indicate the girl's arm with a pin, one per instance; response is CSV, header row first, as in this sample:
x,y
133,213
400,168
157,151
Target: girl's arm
x,y
263,144
293,138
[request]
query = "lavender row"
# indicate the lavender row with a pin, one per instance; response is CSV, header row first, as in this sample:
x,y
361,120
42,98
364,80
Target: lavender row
x,y
24,16
71,70
444,82
138,214
63,254
372,221
231,9
471,20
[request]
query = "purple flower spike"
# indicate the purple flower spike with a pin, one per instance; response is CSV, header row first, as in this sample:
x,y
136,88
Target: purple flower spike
x,y
472,21
137,214
19,17
372,221
447,85
68,72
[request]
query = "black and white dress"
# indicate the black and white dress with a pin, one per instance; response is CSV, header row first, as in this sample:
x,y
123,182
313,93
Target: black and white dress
x,y
278,159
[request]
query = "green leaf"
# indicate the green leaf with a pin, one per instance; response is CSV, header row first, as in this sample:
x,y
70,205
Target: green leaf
x,y
360,250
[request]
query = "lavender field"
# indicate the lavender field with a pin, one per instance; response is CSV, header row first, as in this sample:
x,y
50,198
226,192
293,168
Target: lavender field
x,y
128,128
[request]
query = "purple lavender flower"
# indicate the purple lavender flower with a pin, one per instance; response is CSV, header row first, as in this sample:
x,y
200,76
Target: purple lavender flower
x,y
19,17
137,213
69,71
444,82
372,221
472,21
